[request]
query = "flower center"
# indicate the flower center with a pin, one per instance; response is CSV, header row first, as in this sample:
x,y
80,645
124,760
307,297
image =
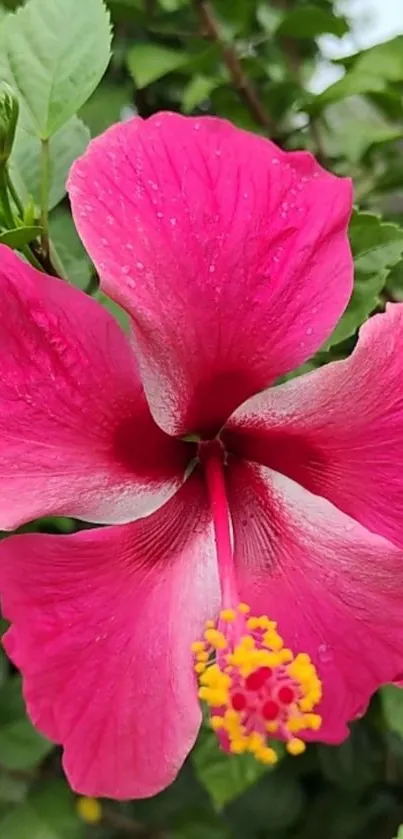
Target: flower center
x,y
255,687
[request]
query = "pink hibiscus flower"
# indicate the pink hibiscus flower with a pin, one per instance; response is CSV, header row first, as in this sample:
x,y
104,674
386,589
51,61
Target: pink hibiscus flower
x,y
260,526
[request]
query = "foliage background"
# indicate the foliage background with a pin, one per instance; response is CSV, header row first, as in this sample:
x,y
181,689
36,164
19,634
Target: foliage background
x,y
250,61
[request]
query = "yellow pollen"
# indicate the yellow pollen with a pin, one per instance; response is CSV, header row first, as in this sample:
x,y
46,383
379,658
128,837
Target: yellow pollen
x,y
228,615
295,746
89,810
255,687
198,646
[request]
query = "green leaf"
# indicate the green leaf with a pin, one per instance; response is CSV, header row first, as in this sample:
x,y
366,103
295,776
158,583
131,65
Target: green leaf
x,y
56,52
198,90
106,106
224,776
351,127
65,146
395,282
368,72
48,813
384,60
400,832
377,246
273,803
74,259
311,21
20,236
13,789
21,747
355,764
392,705
149,62
351,84
119,314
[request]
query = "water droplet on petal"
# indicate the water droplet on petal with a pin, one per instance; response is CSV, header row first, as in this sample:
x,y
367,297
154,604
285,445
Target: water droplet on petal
x,y
140,265
309,330
324,653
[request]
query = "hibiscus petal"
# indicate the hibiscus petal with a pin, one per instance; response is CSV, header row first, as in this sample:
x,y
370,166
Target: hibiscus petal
x,y
230,254
335,589
102,627
76,434
339,430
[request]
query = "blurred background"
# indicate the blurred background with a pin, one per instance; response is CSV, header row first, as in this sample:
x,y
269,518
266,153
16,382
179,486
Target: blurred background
x,y
320,75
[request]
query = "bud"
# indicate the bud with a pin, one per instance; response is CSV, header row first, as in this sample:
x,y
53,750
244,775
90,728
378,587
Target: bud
x,y
89,810
9,110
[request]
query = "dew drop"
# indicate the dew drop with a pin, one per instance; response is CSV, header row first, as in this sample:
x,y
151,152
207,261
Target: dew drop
x,y
160,215
196,126
309,330
172,221
324,653
211,269
140,265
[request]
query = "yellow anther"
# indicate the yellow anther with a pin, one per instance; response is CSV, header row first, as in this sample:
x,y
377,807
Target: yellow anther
x,y
295,724
89,810
202,656
273,640
285,655
216,639
225,659
313,721
255,742
247,642
231,715
295,746
267,756
238,746
216,722
198,646
260,623
228,615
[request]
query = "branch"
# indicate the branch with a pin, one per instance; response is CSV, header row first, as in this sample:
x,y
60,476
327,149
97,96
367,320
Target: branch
x,y
125,824
243,85
293,62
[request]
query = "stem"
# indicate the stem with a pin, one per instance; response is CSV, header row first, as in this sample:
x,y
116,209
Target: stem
x,y
14,195
212,459
45,178
5,202
293,62
244,86
125,824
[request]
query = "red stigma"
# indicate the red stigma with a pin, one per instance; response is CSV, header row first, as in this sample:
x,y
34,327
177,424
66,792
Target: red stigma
x,y
286,695
270,710
238,701
258,678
